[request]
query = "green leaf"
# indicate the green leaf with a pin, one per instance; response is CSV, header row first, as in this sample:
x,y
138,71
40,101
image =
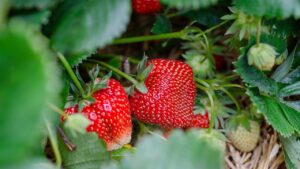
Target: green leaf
x,y
84,26
284,68
292,77
290,90
207,17
90,152
40,4
272,112
291,147
29,82
288,162
292,115
274,8
35,163
36,18
161,25
189,4
141,87
189,150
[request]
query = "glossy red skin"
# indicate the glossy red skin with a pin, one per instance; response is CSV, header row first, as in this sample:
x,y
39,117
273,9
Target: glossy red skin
x,y
170,98
110,115
146,6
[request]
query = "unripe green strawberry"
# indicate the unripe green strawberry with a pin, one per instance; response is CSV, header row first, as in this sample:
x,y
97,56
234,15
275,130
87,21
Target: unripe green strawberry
x,y
201,65
243,139
262,56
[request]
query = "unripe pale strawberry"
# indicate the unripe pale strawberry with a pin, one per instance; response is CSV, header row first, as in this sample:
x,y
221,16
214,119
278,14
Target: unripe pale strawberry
x,y
245,140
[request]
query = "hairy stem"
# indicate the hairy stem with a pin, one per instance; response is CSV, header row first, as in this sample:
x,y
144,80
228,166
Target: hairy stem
x,y
178,35
258,31
54,144
71,73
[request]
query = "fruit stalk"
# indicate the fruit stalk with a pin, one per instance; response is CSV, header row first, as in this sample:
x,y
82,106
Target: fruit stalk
x,y
119,72
258,32
71,73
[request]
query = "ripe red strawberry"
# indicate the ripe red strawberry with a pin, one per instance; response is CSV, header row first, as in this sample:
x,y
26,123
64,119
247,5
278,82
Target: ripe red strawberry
x,y
110,115
170,98
145,6
201,121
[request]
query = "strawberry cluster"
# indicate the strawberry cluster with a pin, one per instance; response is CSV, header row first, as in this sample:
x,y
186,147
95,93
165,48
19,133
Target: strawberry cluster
x,y
169,103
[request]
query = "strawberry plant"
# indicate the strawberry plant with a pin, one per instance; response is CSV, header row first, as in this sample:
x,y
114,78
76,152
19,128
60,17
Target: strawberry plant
x,y
121,84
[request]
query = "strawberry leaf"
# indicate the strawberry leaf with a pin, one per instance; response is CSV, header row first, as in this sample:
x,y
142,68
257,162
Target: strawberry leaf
x,y
292,151
36,18
36,163
28,69
161,25
189,4
284,68
196,147
274,8
97,24
273,112
40,4
90,151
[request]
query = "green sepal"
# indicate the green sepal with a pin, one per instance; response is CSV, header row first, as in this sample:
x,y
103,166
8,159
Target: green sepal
x,y
102,84
93,73
239,120
141,87
145,73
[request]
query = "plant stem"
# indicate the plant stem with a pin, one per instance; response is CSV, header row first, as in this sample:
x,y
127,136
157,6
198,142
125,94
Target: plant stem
x,y
54,144
131,59
216,26
171,15
148,38
119,72
71,73
178,35
232,98
258,32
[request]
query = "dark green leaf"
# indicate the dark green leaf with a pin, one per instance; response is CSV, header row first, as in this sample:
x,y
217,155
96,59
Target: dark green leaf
x,y
189,4
274,8
90,152
288,162
84,26
206,17
29,82
272,112
283,69
284,28
36,18
40,4
189,150
161,25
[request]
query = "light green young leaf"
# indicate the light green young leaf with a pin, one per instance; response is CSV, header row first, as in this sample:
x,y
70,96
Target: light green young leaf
x,y
29,82
35,163
189,150
84,26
